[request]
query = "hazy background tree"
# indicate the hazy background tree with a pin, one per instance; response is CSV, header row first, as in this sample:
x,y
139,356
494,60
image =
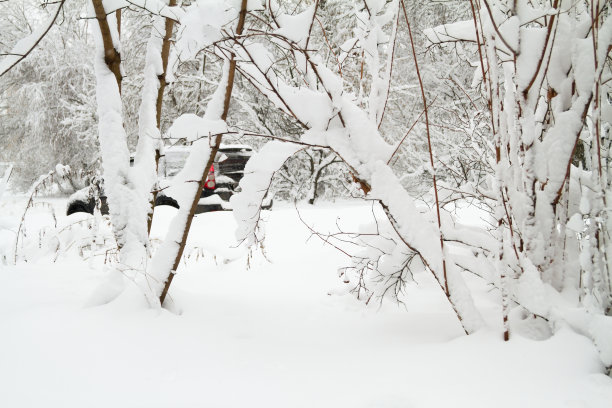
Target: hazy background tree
x,y
47,107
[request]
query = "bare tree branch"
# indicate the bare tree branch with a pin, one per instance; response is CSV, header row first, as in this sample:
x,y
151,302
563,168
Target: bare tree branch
x,y
4,68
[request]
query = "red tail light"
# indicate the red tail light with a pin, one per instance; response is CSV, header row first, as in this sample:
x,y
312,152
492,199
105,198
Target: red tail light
x,y
210,180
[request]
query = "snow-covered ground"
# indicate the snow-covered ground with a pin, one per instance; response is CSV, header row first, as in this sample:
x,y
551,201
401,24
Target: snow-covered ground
x,y
271,334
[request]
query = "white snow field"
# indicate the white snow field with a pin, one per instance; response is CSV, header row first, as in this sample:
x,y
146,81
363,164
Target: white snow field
x,y
278,334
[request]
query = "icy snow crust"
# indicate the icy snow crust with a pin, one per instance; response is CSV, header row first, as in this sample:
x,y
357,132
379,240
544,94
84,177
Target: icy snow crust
x,y
273,333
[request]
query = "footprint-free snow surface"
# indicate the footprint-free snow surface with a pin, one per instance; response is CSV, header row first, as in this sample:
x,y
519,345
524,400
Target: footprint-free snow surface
x,y
275,332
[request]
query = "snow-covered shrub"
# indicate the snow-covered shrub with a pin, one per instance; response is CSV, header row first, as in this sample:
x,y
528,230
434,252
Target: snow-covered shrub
x,y
382,265
543,70
36,234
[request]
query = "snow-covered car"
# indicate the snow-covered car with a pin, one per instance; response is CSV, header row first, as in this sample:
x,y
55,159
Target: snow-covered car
x,y
222,182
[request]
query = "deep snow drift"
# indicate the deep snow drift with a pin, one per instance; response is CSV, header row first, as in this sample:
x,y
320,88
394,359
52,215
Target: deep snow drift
x,y
278,334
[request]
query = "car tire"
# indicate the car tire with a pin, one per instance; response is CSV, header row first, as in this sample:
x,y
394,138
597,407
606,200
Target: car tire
x,y
165,200
80,206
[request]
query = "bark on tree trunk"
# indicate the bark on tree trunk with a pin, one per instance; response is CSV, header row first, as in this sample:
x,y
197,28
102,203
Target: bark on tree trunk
x,y
165,52
112,58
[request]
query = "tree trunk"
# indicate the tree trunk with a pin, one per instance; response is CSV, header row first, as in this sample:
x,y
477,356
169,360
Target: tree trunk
x,y
112,58
129,224
226,102
165,52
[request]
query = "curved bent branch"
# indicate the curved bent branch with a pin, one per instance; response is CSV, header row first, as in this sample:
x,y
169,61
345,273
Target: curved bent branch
x,y
36,37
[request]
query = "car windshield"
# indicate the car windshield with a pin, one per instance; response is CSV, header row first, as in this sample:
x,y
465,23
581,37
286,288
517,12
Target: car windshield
x,y
172,162
231,159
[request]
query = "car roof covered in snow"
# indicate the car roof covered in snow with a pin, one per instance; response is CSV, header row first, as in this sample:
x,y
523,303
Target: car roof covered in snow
x,y
223,147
